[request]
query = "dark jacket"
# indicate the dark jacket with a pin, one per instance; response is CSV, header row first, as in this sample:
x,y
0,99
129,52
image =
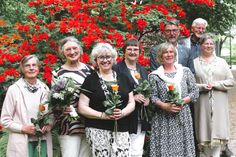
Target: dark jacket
x,y
122,68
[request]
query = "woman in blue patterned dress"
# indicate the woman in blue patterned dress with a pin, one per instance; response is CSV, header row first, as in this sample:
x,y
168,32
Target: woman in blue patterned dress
x,y
171,131
71,133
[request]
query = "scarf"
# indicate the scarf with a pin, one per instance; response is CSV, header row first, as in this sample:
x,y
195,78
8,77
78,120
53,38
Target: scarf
x,y
176,80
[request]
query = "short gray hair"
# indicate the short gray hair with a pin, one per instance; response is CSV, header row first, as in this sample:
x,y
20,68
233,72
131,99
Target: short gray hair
x,y
205,37
200,21
162,48
101,48
67,39
26,59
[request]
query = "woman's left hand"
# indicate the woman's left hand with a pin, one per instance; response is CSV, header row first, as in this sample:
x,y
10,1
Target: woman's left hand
x,y
140,98
146,102
46,128
117,114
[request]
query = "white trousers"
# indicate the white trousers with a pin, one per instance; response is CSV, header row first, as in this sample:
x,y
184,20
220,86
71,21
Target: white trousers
x,y
74,146
137,143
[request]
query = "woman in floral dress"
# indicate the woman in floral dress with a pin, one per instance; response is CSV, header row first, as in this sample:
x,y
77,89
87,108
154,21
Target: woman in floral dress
x,y
171,130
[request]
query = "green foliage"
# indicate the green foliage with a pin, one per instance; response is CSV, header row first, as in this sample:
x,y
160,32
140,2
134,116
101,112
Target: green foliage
x,y
174,96
112,101
3,143
144,88
56,144
220,18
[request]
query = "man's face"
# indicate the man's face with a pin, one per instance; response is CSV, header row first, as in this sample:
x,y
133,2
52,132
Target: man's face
x,y
198,29
171,33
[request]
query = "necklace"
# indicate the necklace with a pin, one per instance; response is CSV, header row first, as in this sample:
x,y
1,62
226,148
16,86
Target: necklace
x,y
103,84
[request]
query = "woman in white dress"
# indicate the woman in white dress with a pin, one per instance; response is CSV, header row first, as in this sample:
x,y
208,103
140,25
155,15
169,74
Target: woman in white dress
x,y
214,79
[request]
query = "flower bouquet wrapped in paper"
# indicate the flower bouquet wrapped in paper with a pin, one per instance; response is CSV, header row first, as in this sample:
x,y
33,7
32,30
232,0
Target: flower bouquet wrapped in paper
x,y
62,92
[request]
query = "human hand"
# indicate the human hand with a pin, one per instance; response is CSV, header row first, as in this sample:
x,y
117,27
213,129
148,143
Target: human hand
x,y
171,107
146,102
67,110
139,98
29,129
46,128
117,114
208,86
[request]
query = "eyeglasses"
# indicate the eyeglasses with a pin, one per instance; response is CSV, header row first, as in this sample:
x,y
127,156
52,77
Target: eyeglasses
x,y
104,57
130,49
172,30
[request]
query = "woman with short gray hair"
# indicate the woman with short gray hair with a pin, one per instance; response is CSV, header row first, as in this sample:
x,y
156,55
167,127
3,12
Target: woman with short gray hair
x,y
71,133
214,79
105,138
21,104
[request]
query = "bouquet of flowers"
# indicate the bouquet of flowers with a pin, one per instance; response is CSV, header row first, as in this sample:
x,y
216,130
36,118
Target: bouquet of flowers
x,y
145,89
43,118
62,92
112,101
174,95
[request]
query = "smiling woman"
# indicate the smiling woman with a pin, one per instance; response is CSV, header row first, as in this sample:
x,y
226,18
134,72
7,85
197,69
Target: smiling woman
x,y
172,131
71,132
102,117
21,104
214,79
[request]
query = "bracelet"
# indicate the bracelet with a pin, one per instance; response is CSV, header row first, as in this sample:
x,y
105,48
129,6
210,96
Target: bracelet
x,y
101,115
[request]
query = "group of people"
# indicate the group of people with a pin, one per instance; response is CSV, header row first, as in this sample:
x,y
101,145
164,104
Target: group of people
x,y
200,78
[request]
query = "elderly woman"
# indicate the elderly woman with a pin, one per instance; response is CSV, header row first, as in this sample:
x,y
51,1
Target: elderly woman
x,y
171,130
214,79
71,133
20,105
106,139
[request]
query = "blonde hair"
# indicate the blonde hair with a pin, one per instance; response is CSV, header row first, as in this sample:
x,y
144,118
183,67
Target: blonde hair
x,y
162,48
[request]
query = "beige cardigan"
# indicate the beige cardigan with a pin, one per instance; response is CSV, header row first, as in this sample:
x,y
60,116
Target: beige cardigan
x,y
212,121
15,115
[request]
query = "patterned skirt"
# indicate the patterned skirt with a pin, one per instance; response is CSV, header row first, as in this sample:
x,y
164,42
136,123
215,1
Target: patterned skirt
x,y
105,143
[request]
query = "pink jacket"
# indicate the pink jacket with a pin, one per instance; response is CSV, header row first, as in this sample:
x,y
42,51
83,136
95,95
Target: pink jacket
x,y
14,116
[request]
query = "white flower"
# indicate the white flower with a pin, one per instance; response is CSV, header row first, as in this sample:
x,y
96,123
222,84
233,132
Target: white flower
x,y
58,96
73,113
70,89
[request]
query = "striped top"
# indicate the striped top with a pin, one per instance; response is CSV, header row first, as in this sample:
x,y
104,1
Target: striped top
x,y
65,126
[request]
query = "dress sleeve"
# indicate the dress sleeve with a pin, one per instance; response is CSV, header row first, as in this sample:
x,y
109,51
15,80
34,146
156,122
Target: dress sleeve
x,y
8,111
153,79
193,90
229,80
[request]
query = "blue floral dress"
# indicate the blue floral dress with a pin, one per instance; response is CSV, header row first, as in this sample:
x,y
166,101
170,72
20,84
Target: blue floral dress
x,y
172,133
